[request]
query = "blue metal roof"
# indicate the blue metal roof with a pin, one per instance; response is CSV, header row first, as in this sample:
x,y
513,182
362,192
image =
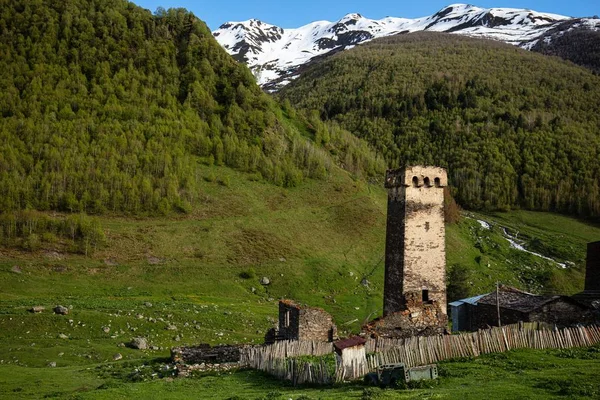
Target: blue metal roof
x,y
469,300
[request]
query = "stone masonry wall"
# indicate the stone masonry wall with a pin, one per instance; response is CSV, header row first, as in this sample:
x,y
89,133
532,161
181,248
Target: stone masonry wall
x,y
415,240
204,353
316,324
297,322
289,321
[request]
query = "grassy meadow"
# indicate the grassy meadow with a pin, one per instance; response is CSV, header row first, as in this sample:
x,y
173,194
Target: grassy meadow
x,y
195,278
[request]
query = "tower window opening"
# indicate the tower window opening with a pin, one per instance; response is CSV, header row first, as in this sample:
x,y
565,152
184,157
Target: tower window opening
x,y
425,296
286,319
437,182
415,181
427,182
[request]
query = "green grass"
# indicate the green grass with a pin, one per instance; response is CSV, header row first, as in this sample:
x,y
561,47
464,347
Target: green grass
x,y
523,374
201,273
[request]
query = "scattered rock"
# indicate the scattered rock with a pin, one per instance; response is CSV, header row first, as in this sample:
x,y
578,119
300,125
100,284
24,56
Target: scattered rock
x,y
139,316
37,309
62,336
54,255
154,260
139,343
365,282
197,327
110,262
171,328
62,310
106,329
52,364
154,348
253,289
282,259
177,338
16,269
117,356
61,354
148,304
351,273
265,281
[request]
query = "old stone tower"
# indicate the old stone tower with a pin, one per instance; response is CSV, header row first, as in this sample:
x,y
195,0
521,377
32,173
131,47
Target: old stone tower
x,y
415,255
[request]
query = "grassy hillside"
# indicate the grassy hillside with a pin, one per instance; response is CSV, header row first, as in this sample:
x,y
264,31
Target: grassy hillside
x,y
516,129
201,272
108,108
146,182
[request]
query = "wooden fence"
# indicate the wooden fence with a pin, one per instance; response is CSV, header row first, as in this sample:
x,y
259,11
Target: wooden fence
x,y
278,359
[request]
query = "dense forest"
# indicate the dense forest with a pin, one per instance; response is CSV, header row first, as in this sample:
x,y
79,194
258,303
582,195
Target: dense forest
x,y
108,107
579,45
514,128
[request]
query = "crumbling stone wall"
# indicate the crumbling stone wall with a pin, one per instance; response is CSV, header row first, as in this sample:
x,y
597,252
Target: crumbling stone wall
x,y
562,313
204,353
415,258
415,321
297,322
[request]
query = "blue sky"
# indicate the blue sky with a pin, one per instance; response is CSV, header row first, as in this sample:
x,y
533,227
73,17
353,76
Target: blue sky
x,y
292,14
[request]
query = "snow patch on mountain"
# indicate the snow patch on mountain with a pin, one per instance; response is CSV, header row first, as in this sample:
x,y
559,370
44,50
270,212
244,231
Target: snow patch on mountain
x,y
274,53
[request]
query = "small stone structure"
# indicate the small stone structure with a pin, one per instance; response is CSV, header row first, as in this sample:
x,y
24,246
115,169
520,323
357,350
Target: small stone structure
x,y
205,354
415,254
299,322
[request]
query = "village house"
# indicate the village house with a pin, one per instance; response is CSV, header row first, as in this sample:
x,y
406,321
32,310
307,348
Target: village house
x,y
481,312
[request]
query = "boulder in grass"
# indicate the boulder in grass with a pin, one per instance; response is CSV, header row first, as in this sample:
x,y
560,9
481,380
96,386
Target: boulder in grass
x,y
37,309
265,281
117,356
62,310
139,343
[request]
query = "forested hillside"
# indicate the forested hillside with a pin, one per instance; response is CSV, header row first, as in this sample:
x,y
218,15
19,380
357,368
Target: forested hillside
x,y
579,45
107,107
514,128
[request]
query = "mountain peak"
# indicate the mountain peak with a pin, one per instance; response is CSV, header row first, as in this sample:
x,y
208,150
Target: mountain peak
x,y
275,54
350,17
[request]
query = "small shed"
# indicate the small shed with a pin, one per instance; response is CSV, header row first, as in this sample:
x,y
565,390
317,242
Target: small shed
x,y
351,357
463,313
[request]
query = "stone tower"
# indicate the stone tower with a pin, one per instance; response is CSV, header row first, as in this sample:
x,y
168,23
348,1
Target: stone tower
x,y
415,253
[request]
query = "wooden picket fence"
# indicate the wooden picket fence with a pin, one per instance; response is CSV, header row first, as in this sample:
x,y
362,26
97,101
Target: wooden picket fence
x,y
279,359
418,350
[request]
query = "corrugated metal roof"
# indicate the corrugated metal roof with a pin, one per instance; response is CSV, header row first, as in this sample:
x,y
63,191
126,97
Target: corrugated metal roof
x,y
469,300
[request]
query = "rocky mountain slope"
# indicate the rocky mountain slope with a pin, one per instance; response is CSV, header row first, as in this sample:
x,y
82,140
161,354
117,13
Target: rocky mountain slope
x,y
276,55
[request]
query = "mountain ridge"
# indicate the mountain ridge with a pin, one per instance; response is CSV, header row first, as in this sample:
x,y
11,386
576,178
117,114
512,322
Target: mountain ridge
x,y
275,54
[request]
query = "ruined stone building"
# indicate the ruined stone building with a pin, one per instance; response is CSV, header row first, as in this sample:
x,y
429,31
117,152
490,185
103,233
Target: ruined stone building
x,y
299,322
415,254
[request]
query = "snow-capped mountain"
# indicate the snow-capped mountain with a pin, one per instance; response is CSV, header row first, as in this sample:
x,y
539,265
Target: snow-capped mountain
x,y
275,54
